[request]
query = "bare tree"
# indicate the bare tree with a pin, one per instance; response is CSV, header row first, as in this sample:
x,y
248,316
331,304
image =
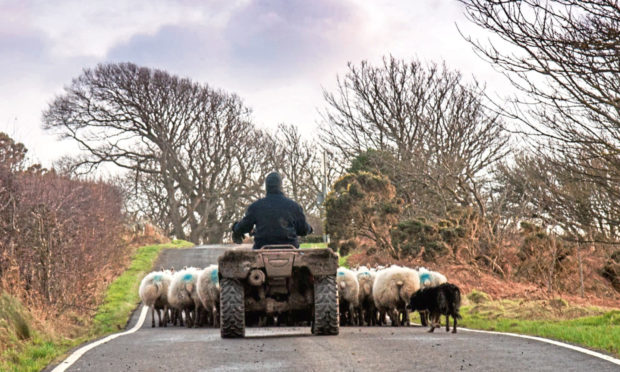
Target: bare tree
x,y
564,57
197,143
435,126
300,161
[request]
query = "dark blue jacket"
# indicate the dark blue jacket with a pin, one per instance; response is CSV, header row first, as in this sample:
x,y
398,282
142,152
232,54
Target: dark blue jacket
x,y
275,218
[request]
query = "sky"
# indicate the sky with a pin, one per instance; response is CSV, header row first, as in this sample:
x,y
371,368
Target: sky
x,y
278,56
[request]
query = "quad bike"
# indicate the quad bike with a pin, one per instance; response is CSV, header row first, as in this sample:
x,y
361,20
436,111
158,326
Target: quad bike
x,y
278,281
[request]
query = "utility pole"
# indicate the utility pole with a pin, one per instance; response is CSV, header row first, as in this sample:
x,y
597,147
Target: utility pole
x,y
324,192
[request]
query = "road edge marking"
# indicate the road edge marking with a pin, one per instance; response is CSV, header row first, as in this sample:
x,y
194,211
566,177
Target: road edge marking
x,y
76,355
552,342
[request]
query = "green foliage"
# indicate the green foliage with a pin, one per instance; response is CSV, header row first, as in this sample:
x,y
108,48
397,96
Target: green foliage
x,y
14,319
343,261
374,161
477,297
431,239
361,205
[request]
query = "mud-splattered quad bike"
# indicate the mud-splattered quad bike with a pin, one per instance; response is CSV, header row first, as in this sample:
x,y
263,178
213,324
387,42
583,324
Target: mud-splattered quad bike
x,y
278,280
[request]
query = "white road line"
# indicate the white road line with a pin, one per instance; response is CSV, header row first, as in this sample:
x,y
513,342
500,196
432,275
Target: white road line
x,y
552,342
81,351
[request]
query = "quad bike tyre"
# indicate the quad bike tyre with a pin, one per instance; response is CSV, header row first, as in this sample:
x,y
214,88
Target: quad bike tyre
x,y
326,317
232,311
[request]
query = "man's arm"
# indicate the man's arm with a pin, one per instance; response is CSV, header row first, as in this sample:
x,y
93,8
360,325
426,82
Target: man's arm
x,y
302,227
246,224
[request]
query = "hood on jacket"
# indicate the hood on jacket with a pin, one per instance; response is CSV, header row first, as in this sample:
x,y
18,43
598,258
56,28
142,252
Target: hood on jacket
x,y
273,183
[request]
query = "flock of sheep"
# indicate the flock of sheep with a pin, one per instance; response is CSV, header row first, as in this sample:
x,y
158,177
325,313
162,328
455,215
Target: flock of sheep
x,y
193,291
366,296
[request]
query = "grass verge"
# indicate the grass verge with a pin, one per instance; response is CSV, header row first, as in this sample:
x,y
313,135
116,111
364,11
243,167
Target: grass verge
x,y
312,245
591,327
30,349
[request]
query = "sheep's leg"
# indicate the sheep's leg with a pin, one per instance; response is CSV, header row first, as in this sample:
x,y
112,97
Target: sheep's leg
x,y
189,318
153,317
352,320
197,316
216,318
159,323
407,320
166,316
395,315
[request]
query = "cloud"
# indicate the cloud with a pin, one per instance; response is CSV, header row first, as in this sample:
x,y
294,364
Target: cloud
x,y
277,55
91,28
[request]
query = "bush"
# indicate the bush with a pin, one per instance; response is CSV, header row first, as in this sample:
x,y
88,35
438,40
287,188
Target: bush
x,y
60,238
611,270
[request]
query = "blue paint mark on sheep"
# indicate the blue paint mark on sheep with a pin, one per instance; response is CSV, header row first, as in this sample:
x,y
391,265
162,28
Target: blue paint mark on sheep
x,y
340,273
426,277
365,273
214,277
187,277
157,277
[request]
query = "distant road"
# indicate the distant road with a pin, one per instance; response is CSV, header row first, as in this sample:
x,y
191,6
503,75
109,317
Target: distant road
x,y
295,349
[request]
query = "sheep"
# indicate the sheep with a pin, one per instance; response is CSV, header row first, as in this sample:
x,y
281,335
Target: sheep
x,y
442,299
208,288
392,290
348,294
153,292
367,310
182,294
430,278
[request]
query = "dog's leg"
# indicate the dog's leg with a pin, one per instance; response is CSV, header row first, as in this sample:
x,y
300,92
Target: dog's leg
x,y
434,319
454,326
447,322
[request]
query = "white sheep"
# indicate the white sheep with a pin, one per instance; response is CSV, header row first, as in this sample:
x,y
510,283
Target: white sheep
x,y
182,294
348,294
430,278
367,310
154,294
208,288
392,290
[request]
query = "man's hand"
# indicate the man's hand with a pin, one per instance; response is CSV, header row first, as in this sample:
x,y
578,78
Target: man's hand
x,y
238,238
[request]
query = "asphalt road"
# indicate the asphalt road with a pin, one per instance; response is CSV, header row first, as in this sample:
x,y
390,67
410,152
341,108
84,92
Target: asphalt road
x,y
295,349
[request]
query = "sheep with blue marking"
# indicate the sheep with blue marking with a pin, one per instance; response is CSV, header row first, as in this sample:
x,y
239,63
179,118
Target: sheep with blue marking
x,y
392,290
430,278
367,312
182,294
153,292
348,295
208,288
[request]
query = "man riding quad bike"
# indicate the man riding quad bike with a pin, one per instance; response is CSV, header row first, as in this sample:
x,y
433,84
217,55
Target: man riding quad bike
x,y
278,219
275,279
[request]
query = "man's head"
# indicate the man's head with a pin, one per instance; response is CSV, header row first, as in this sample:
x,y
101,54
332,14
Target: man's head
x,y
273,183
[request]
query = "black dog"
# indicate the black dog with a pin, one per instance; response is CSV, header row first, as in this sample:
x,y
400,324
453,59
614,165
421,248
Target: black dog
x,y
444,299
